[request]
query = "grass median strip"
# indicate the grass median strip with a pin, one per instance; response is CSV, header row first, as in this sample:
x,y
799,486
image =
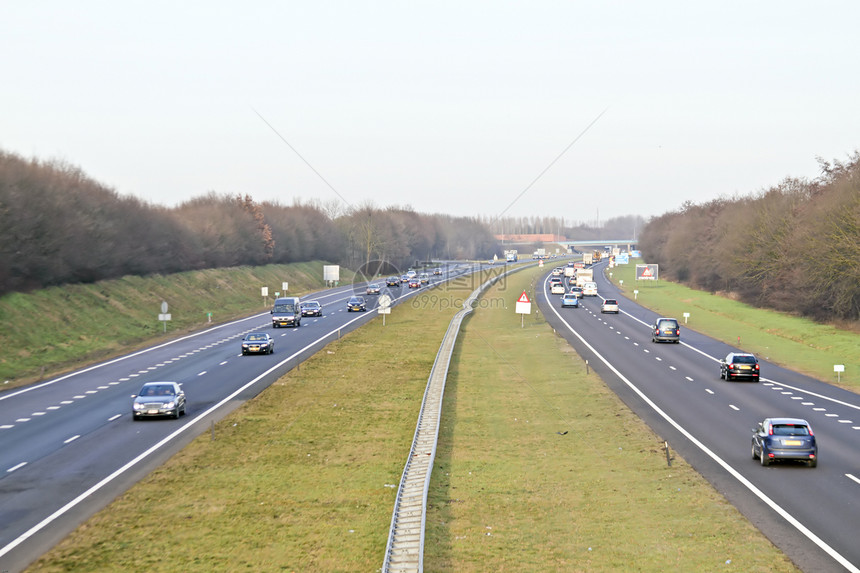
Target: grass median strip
x,y
540,467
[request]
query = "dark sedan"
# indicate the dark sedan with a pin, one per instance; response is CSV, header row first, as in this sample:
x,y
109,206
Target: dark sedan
x,y
311,308
392,281
258,343
784,439
356,304
739,365
373,288
158,399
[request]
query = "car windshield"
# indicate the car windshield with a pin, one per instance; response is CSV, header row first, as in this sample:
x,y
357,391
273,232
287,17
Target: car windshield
x,y
256,337
312,304
285,308
790,430
160,390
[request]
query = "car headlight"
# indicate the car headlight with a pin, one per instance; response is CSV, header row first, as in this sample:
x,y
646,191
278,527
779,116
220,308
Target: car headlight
x,y
169,405
137,406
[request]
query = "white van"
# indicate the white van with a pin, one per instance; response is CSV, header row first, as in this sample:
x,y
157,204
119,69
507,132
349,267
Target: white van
x,y
589,289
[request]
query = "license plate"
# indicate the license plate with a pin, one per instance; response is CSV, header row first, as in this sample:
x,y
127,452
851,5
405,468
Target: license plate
x,y
745,367
254,348
153,412
792,442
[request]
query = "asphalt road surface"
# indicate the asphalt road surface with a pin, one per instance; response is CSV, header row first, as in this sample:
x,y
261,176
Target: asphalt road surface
x,y
69,446
812,514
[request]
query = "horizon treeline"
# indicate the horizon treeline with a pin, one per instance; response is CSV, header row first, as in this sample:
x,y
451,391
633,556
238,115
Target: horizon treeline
x,y
59,226
794,247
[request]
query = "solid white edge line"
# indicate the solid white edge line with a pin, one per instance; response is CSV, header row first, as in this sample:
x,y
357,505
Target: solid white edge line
x,y
732,471
167,439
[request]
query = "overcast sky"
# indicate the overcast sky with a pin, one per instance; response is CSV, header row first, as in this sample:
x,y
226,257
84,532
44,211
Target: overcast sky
x,y
448,107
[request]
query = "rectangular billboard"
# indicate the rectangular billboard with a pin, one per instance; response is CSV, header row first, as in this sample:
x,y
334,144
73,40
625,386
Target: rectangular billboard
x,y
646,272
331,273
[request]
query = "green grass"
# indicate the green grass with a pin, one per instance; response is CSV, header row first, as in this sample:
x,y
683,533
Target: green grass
x,y
509,493
56,329
790,341
303,477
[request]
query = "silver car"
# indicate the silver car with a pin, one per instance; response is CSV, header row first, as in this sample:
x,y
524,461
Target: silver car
x,y
158,399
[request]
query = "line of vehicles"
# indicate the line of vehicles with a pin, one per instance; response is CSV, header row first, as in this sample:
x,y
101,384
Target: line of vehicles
x,y
774,439
167,399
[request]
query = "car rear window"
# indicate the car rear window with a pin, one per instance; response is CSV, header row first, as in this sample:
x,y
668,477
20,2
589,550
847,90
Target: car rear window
x,y
790,430
611,301
668,324
745,359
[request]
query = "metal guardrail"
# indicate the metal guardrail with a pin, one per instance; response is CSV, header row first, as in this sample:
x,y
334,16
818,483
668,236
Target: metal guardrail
x,y
404,552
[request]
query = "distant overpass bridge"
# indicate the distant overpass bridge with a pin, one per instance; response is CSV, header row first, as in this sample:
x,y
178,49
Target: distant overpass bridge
x,y
600,243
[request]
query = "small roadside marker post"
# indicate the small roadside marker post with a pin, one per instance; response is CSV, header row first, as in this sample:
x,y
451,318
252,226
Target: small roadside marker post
x,y
164,316
839,369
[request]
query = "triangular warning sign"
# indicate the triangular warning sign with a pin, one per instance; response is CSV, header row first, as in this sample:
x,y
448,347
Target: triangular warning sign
x,y
523,297
646,272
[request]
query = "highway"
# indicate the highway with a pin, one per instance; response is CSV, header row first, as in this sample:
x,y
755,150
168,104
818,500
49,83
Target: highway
x,y
812,514
69,446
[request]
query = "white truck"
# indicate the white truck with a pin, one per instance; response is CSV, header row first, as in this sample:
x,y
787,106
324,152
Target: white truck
x,y
587,258
584,276
570,271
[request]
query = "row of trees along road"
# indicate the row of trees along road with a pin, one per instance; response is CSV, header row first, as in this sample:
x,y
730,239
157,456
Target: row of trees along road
x,y
794,247
59,226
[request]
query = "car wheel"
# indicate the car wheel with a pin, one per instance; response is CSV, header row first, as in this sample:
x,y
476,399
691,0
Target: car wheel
x,y
752,451
176,413
762,456
722,375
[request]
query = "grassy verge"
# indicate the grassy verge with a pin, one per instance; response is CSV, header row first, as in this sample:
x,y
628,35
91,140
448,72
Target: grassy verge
x,y
511,491
58,328
303,477
790,341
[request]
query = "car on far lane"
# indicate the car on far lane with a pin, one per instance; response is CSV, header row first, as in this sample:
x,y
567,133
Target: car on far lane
x,y
569,300
609,305
311,308
158,399
373,288
392,281
437,271
784,439
404,278
666,330
576,291
739,365
556,288
356,304
258,343
414,282
424,278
